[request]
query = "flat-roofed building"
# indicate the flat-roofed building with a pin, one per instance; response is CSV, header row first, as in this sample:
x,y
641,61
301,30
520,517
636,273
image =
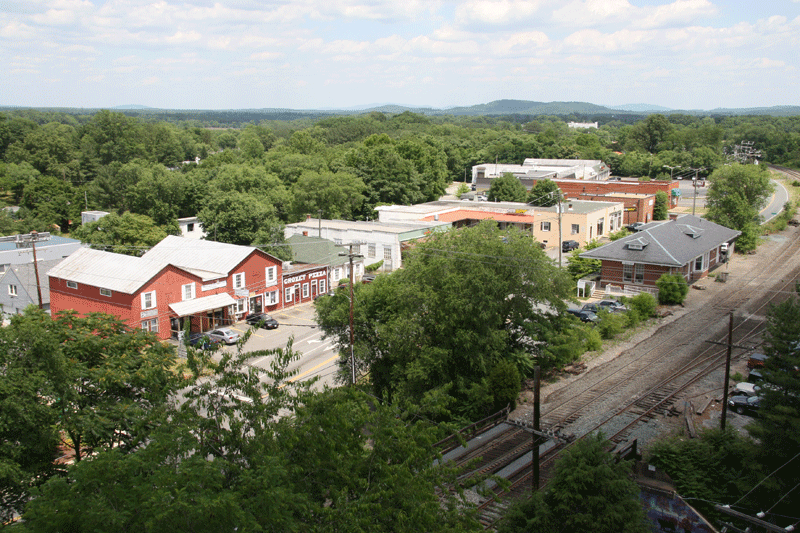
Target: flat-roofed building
x,y
376,241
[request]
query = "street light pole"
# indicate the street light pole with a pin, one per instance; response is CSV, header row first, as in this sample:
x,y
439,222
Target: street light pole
x,y
671,169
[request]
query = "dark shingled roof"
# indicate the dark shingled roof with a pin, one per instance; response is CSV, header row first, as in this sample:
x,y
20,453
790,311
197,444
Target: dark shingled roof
x,y
673,243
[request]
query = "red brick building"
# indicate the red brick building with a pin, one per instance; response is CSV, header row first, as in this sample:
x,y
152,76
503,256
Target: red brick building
x,y
210,284
572,188
688,245
304,282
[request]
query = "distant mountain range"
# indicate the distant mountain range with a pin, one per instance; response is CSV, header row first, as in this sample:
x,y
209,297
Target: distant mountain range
x,y
580,110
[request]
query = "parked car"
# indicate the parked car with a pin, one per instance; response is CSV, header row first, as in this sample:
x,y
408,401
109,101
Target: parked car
x,y
202,341
594,308
755,376
226,335
261,319
757,360
612,306
636,226
568,246
583,315
746,389
745,404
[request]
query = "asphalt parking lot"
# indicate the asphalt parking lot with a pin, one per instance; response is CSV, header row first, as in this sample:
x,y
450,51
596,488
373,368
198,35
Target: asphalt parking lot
x,y
318,356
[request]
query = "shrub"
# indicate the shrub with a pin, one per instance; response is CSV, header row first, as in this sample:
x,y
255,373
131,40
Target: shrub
x,y
610,324
633,318
672,289
374,266
593,340
644,304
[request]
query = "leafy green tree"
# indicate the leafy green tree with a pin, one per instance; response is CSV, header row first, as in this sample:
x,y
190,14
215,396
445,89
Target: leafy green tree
x,y
161,144
778,425
507,188
52,200
29,356
110,137
51,149
250,143
545,193
578,266
649,133
224,460
128,233
661,207
716,467
672,289
388,176
338,196
735,196
236,217
591,491
424,334
115,379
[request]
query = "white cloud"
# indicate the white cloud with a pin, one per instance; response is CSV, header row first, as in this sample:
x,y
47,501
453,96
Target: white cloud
x,y
496,12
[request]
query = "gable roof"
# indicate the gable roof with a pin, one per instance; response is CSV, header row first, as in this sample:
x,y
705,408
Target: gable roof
x,y
307,249
673,243
207,259
26,274
117,272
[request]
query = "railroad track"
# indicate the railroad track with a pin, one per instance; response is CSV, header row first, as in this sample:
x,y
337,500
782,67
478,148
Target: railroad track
x,y
790,172
665,355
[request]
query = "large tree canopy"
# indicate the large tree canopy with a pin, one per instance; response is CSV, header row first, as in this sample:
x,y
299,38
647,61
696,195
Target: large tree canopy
x,y
591,491
434,331
229,458
507,188
736,194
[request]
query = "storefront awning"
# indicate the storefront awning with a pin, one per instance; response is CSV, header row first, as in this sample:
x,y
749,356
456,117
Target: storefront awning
x,y
198,305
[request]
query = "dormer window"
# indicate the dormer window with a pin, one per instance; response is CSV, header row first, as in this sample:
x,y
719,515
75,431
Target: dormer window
x,y
637,244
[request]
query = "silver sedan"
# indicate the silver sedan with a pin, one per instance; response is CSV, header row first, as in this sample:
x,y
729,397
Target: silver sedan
x,y
228,336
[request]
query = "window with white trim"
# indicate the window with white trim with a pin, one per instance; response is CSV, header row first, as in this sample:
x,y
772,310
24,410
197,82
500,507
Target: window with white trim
x,y
322,286
576,228
150,325
357,249
238,280
12,290
72,284
288,293
545,226
305,290
627,272
271,274
638,275
105,292
387,253
241,305
271,298
148,300
336,274
187,291
370,250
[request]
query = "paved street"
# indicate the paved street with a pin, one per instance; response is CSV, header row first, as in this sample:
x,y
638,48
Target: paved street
x,y
319,357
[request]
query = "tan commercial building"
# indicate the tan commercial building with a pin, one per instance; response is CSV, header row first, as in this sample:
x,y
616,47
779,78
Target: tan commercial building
x,y
581,220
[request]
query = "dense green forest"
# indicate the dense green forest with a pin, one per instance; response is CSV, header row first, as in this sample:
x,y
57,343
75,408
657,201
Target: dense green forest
x,y
245,182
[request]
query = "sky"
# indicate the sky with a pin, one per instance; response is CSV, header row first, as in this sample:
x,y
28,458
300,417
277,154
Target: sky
x,y
329,54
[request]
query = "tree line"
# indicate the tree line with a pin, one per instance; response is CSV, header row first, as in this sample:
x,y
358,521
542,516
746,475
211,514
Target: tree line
x,y
251,180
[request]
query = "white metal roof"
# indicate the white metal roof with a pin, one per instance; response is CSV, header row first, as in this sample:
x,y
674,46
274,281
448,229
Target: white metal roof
x,y
198,305
117,272
205,255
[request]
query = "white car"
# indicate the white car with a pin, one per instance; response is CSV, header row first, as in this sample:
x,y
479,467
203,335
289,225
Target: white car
x,y
226,335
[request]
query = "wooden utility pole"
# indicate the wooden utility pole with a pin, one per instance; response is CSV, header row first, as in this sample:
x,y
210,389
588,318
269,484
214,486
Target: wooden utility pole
x,y
351,255
535,434
727,373
30,239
